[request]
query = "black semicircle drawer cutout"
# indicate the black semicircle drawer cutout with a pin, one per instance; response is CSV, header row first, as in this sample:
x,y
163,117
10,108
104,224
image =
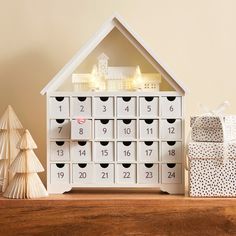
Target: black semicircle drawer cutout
x,y
171,121
171,99
127,143
171,165
104,122
82,143
127,121
148,121
104,99
149,99
126,99
126,165
60,165
104,165
148,165
171,143
59,99
60,143
60,121
81,99
148,143
104,143
82,165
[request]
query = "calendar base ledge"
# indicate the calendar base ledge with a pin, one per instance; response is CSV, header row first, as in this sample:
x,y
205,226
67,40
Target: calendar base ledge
x,y
166,188
118,212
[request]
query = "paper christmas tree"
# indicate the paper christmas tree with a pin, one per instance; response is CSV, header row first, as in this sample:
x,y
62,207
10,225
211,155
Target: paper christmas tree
x,y
26,182
9,137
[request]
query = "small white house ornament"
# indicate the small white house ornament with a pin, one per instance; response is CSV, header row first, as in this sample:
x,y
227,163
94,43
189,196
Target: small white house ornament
x,y
115,78
103,64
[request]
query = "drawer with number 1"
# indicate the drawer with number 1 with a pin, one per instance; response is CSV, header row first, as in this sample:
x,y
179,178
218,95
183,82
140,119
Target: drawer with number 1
x,y
59,107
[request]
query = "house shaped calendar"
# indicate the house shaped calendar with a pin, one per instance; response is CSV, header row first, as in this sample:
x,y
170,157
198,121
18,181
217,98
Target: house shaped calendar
x,y
115,117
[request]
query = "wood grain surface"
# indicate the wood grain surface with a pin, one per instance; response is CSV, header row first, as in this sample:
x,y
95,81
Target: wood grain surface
x,y
118,213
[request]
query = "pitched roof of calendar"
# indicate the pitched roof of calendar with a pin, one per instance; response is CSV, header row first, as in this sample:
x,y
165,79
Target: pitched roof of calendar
x,y
113,22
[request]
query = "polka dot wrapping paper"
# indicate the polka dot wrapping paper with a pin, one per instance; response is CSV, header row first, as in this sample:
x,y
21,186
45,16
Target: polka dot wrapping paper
x,y
209,174
213,128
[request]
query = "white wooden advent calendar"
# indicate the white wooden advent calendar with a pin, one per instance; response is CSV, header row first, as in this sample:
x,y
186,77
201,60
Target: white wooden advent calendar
x,y
114,126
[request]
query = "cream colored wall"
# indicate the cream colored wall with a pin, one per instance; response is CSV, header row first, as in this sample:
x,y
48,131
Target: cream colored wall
x,y
196,39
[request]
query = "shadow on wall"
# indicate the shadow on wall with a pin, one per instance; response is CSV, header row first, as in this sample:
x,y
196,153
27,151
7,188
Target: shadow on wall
x,y
21,79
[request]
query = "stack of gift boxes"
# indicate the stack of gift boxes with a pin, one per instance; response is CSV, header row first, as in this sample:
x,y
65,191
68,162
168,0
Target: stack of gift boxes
x,y
212,156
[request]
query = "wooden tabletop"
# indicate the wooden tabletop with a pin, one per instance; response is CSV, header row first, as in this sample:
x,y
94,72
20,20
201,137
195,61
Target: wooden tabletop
x,y
118,213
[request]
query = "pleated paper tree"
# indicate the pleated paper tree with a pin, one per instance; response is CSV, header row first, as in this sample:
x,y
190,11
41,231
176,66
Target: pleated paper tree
x,y
9,137
26,182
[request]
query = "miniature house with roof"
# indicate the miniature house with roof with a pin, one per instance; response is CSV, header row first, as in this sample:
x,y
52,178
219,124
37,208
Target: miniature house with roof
x,y
115,117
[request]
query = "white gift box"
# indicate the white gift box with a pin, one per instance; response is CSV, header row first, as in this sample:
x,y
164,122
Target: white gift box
x,y
212,169
213,128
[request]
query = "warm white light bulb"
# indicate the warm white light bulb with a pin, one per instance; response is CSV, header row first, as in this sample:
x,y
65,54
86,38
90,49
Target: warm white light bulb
x,y
138,78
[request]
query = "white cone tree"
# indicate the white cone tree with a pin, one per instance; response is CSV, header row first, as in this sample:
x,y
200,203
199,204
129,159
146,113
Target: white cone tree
x,y
26,182
9,137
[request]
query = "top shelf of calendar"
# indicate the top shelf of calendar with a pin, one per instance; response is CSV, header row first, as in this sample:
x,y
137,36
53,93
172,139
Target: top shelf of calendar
x,y
114,93
115,59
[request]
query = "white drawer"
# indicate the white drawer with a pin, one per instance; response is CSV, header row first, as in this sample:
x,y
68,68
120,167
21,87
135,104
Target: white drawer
x,y
171,106
60,173
126,106
126,173
81,151
60,151
126,151
104,173
81,130
104,107
171,129
148,173
104,129
148,129
104,151
82,173
81,106
59,128
148,152
126,129
171,173
148,107
171,151
59,107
